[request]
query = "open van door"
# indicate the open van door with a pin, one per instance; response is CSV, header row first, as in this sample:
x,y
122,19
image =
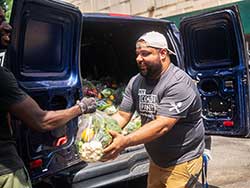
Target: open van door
x,y
215,56
43,56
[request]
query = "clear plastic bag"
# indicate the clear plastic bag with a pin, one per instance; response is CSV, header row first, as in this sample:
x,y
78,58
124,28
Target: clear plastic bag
x,y
93,135
133,125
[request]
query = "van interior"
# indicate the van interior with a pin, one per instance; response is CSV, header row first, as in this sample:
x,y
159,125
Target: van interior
x,y
108,48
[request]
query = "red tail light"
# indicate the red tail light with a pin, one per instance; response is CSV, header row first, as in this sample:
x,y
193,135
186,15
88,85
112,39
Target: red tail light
x,y
36,163
228,123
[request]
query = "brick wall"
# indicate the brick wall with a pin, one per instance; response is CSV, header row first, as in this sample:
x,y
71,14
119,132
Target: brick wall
x,y
148,8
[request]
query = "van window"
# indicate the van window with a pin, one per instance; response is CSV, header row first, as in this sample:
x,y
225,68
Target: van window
x,y
46,47
215,47
211,46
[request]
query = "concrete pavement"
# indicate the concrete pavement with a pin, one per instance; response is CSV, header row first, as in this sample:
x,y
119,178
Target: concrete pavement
x,y
229,167
230,164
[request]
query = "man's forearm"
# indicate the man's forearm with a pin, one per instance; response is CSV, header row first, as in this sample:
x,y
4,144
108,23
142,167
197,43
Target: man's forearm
x,y
122,118
55,119
147,133
33,116
150,131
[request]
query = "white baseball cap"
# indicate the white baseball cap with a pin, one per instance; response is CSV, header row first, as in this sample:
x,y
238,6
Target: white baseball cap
x,y
156,40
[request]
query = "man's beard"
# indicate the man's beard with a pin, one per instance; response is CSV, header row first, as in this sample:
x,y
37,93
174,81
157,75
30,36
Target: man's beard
x,y
153,71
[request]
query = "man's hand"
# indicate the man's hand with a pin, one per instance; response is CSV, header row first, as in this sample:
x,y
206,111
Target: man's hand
x,y
87,105
113,150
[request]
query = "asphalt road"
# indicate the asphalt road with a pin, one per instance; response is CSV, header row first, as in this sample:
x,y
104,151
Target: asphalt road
x,y
229,167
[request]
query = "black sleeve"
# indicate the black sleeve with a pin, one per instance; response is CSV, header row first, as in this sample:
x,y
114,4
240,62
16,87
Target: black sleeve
x,y
10,92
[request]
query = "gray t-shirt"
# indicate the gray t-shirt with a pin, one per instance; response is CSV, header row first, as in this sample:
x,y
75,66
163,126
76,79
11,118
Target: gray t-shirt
x,y
173,95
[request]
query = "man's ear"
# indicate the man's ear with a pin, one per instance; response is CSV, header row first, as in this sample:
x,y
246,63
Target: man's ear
x,y
163,53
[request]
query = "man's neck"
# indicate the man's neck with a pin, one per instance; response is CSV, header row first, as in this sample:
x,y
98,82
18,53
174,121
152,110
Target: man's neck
x,y
165,67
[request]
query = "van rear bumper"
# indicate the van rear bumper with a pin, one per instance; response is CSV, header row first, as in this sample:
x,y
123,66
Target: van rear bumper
x,y
129,165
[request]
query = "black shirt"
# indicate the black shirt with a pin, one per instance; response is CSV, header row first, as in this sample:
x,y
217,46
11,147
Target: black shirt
x,y
10,94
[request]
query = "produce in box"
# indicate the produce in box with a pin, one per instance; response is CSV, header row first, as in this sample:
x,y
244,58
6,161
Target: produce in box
x,y
108,94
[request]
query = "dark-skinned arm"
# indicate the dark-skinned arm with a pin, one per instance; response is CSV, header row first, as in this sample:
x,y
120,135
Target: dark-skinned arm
x,y
34,117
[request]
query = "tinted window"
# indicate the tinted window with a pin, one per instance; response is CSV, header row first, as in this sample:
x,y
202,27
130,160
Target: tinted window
x,y
213,45
42,47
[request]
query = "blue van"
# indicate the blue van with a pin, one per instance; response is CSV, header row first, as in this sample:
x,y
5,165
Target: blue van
x,y
217,58
54,46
